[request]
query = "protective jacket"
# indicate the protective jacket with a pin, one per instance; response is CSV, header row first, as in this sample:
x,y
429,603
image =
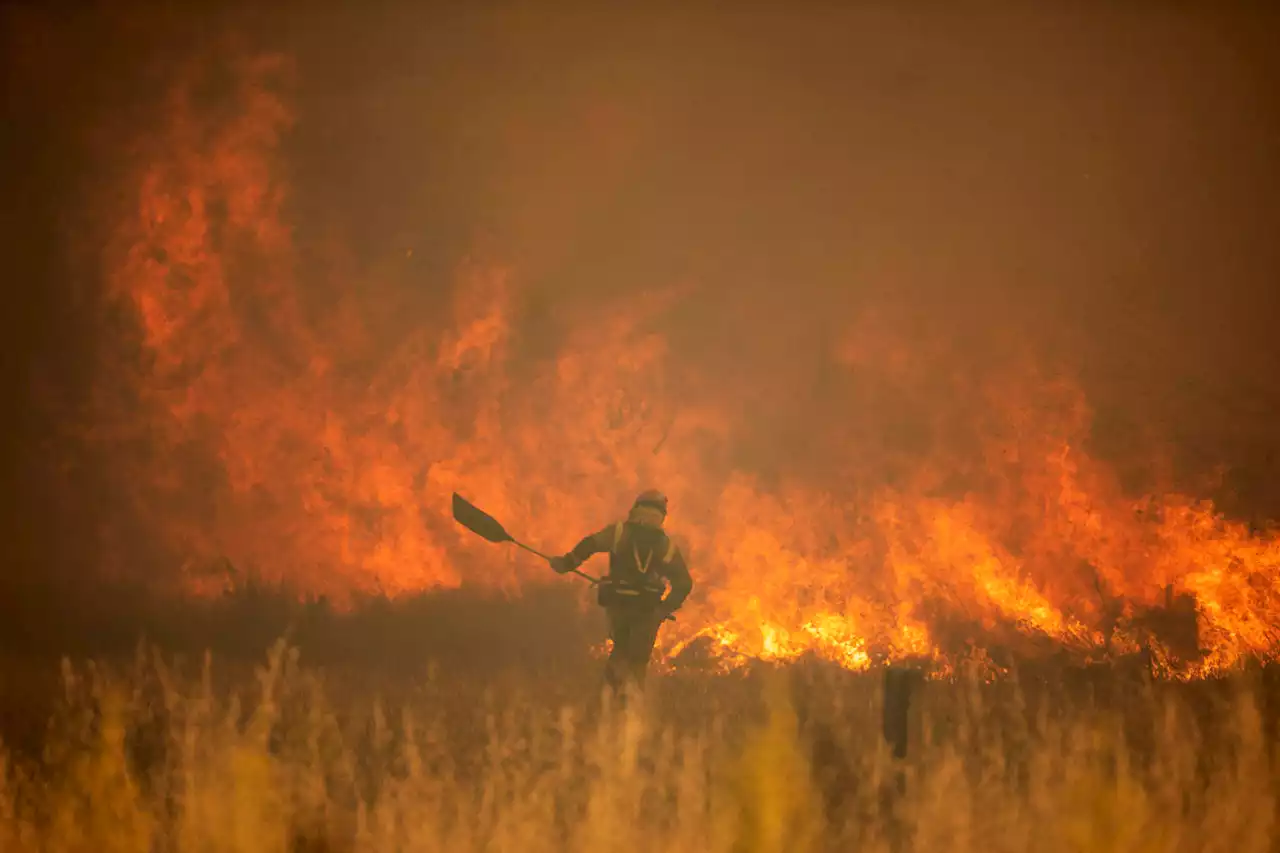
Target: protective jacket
x,y
643,560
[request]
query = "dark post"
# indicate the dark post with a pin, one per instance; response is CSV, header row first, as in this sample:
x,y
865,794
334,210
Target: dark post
x,y
899,682
899,686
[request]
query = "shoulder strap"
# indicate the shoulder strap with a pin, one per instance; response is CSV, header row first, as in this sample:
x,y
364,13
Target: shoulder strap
x,y
641,565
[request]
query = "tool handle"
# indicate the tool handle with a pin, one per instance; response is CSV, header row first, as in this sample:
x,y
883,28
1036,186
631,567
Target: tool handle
x,y
533,551
538,553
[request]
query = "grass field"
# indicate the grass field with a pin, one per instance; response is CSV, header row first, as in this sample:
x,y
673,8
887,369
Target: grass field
x,y
166,749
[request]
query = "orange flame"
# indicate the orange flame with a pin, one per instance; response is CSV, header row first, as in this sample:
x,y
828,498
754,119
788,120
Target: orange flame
x,y
282,421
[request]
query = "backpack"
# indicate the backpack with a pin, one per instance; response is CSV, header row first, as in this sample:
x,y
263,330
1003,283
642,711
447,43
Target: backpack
x,y
632,580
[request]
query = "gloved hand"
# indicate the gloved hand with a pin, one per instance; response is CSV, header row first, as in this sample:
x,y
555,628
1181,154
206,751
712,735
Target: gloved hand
x,y
562,565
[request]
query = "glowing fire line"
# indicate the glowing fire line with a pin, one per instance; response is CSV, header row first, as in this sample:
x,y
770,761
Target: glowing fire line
x,y
293,426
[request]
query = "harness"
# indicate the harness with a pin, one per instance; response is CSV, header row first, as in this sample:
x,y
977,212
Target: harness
x,y
635,549
620,591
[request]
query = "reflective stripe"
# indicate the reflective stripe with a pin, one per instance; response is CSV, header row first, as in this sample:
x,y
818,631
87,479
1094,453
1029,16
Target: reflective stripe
x,y
641,565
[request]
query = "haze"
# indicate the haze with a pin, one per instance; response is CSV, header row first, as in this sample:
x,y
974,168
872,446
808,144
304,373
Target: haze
x,y
1099,187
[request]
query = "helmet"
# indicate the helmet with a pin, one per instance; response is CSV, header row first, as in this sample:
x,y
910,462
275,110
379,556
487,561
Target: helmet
x,y
653,498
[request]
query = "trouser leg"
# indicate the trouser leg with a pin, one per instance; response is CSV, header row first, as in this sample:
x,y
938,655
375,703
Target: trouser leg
x,y
644,633
615,666
634,634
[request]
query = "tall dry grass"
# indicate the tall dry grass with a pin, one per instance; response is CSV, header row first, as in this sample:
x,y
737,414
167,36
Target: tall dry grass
x,y
156,757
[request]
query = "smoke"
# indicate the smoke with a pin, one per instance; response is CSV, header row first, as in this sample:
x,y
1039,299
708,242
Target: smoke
x,y
871,293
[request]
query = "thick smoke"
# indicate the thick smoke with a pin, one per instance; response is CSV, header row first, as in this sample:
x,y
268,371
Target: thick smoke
x,y
876,303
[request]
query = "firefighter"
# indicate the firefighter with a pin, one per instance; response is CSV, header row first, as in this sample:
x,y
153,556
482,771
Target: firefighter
x,y
643,561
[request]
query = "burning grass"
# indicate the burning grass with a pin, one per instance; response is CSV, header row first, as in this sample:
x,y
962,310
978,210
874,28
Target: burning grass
x,y
848,477
158,753
883,489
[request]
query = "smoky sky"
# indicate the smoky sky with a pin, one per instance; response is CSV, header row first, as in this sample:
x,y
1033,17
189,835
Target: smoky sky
x,y
1100,183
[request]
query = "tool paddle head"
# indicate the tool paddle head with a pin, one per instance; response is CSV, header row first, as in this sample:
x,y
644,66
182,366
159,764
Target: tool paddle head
x,y
477,521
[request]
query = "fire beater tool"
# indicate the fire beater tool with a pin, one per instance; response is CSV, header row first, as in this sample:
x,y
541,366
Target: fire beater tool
x,y
490,529
487,527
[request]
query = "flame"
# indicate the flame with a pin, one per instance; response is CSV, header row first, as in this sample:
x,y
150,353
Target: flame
x,y
313,426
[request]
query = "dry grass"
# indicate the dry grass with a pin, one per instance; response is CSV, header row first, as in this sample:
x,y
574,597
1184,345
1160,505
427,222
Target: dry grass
x,y
148,757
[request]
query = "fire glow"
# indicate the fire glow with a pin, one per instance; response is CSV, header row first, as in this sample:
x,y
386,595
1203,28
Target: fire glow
x,y
281,422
